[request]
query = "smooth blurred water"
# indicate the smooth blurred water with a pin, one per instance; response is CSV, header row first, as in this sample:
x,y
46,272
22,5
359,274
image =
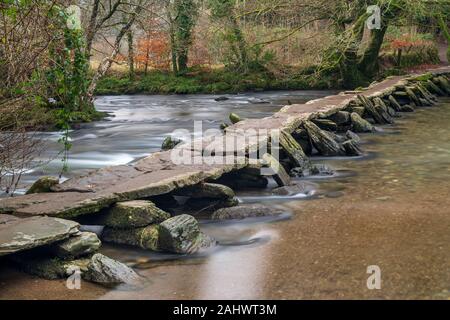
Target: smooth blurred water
x,y
139,123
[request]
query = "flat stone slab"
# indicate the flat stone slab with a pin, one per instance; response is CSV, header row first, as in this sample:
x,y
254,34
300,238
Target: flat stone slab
x,y
97,194
23,234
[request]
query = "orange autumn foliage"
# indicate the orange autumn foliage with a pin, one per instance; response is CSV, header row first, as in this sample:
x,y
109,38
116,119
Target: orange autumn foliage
x,y
153,51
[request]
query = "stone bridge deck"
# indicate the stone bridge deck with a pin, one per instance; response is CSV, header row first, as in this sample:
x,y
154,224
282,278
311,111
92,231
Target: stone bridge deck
x,y
157,174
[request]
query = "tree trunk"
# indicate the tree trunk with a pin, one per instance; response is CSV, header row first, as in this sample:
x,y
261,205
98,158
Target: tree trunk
x,y
130,54
106,63
369,64
92,27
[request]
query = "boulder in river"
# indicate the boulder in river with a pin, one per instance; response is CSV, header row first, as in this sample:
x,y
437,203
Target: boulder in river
x,y
246,211
222,98
133,214
77,246
106,271
234,118
145,238
43,185
182,234
169,143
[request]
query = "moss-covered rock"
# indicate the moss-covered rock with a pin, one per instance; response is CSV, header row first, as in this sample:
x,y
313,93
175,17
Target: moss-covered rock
x,y
145,238
134,214
359,124
43,185
246,211
169,143
106,271
84,244
181,234
234,118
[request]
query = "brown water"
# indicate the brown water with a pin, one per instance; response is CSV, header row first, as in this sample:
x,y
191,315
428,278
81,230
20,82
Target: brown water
x,y
390,209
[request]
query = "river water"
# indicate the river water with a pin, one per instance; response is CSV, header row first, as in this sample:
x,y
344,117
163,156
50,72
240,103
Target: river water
x,y
139,124
388,209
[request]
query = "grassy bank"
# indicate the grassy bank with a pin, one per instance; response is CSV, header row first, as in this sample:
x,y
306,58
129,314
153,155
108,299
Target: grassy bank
x,y
207,81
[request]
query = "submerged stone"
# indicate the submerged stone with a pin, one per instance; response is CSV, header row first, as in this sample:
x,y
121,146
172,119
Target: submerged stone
x,y
221,99
182,234
297,188
130,214
246,211
43,185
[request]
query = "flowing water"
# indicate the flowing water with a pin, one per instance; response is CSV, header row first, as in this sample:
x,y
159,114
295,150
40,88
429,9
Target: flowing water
x,y
139,124
390,208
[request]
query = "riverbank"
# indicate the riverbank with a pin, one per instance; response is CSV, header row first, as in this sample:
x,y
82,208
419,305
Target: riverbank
x,y
216,81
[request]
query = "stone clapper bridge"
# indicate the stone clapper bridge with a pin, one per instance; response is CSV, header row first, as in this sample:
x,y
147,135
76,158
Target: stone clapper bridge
x,y
139,203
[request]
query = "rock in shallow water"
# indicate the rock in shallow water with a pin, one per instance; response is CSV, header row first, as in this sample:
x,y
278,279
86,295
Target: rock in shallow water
x,y
245,211
106,271
297,188
145,238
182,234
315,170
169,143
98,268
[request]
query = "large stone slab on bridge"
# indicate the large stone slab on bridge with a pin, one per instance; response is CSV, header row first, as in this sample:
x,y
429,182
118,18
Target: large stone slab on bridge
x,y
98,189
22,234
